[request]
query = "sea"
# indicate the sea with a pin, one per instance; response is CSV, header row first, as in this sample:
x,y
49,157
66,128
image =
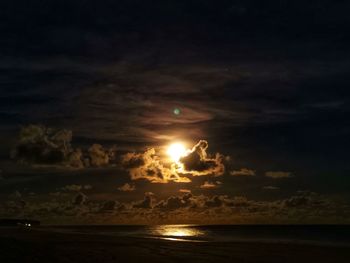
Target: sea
x,y
330,235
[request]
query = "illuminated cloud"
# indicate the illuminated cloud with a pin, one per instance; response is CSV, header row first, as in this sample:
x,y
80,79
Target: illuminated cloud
x,y
197,162
278,174
127,188
148,166
243,172
209,185
76,159
41,145
98,155
185,191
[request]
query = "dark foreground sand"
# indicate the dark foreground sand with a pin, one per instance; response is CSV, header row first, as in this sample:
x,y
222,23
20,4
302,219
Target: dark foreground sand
x,y
21,245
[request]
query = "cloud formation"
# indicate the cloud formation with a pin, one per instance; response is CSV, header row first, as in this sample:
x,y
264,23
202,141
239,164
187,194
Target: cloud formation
x,y
185,191
108,206
197,162
98,155
278,174
149,166
146,203
76,188
243,172
38,144
304,206
127,187
80,199
210,185
175,202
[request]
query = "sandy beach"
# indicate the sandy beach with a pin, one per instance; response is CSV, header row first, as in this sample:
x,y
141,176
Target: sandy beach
x,y
43,245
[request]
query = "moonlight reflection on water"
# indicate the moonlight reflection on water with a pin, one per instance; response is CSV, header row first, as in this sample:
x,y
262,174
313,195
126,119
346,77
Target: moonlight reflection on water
x,y
177,233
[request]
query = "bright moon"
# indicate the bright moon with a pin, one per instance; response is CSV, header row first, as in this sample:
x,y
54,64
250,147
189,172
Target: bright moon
x,y
176,151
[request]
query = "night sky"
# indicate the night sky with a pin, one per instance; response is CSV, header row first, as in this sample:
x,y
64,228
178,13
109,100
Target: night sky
x,y
94,92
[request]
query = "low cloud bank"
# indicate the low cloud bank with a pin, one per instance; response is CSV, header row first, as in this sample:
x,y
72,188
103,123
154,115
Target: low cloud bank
x,y
38,144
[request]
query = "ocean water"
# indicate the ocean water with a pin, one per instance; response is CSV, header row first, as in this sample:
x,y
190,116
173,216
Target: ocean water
x,y
333,235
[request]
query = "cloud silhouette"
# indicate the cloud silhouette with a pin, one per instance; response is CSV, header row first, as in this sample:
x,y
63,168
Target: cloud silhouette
x,y
147,202
38,144
197,162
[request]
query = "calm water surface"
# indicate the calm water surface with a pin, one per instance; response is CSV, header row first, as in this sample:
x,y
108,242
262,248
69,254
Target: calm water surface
x,y
326,234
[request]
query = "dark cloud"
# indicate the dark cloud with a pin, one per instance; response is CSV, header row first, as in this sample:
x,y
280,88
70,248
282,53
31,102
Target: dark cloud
x,y
175,202
304,206
243,172
108,206
305,199
15,195
215,201
278,174
38,144
79,199
147,202
127,187
76,188
95,156
198,163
